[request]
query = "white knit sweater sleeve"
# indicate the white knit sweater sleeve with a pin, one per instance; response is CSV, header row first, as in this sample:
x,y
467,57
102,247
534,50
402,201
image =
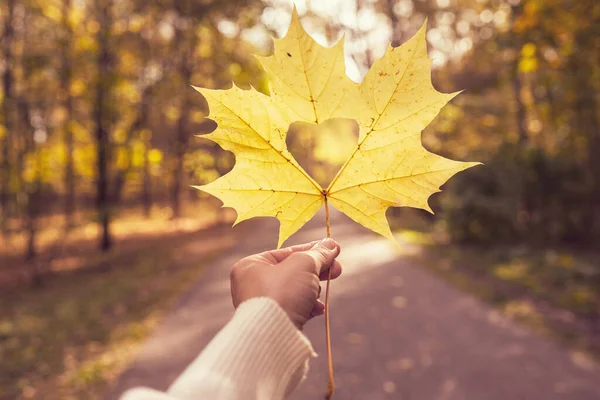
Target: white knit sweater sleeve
x,y
258,355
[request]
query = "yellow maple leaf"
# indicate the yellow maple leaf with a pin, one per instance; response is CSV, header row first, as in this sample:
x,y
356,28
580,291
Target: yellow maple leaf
x,y
388,167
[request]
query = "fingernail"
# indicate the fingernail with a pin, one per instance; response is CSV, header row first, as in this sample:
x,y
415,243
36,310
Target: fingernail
x,y
328,243
318,244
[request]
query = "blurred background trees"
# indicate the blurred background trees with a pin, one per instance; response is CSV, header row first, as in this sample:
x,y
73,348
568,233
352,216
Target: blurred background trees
x,y
540,116
98,113
97,104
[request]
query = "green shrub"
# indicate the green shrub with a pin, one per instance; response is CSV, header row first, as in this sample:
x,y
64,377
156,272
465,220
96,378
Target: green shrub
x,y
521,195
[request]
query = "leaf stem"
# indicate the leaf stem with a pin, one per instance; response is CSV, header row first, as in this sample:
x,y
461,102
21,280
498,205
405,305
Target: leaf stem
x,y
331,387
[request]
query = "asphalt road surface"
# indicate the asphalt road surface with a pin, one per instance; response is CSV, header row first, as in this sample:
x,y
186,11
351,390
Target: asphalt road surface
x,y
398,332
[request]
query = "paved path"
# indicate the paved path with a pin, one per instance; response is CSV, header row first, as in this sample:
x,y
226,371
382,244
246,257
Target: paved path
x,y
398,333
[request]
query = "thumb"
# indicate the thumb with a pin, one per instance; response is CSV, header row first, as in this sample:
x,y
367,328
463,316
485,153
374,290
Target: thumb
x,y
323,253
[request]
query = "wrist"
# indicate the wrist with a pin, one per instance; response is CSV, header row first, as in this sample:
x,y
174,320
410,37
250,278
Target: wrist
x,y
259,348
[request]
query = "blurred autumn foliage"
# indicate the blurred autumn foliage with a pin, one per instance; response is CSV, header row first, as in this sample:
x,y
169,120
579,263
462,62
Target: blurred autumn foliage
x,y
532,105
97,109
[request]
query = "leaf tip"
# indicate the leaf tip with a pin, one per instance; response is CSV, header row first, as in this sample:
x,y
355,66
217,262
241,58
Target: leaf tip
x,y
473,164
208,136
396,242
421,34
426,206
450,96
295,22
198,89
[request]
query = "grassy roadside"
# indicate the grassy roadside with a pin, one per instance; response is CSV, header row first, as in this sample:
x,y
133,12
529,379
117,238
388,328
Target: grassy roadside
x,y
71,337
556,292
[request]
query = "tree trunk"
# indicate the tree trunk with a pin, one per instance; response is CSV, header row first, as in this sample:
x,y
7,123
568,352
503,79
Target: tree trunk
x,y
140,122
180,147
30,191
102,138
521,112
368,61
181,142
587,124
8,107
147,183
66,82
33,210
396,33
526,198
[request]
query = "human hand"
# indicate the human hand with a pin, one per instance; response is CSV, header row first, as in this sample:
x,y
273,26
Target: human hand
x,y
289,276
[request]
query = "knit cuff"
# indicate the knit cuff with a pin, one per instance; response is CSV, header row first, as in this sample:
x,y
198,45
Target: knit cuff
x,y
259,353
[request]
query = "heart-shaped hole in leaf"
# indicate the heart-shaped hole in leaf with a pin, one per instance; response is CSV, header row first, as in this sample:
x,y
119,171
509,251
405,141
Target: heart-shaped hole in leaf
x,y
321,149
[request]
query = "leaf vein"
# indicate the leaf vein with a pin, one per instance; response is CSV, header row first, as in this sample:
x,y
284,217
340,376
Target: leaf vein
x,y
391,179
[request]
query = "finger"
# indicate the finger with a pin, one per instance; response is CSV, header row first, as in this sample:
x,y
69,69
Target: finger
x,y
336,270
323,254
318,309
281,254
